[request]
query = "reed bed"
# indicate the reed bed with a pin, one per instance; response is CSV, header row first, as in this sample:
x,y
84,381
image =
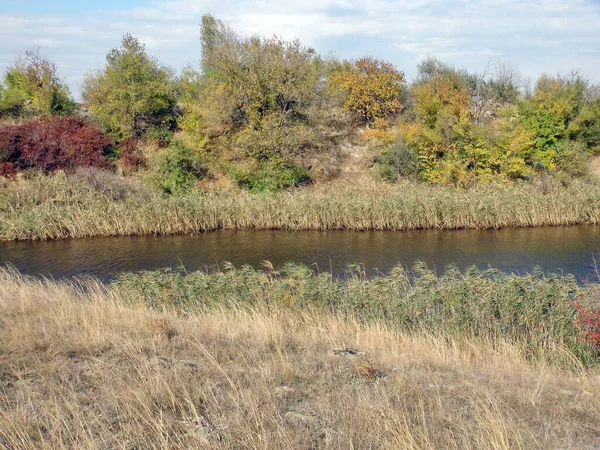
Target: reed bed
x,y
101,204
535,312
84,365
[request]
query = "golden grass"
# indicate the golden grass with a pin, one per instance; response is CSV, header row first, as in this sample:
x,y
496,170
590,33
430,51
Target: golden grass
x,y
100,204
80,369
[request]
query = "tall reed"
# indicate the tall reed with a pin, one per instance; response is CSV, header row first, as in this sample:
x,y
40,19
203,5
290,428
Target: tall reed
x,y
97,204
535,312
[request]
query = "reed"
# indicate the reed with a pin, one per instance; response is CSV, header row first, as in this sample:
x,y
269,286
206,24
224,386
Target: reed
x,y
101,204
84,365
535,312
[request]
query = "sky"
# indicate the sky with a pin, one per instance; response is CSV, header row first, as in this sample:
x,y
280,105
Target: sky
x,y
536,36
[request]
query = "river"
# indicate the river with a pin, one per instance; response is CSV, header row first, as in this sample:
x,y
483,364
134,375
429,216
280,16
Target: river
x,y
554,249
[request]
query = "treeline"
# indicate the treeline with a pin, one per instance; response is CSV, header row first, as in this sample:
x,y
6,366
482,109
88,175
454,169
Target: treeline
x,y
262,111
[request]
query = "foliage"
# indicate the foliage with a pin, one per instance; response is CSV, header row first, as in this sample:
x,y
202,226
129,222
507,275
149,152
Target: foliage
x,y
53,144
588,319
32,87
396,161
176,169
255,98
474,129
371,88
270,176
130,155
132,93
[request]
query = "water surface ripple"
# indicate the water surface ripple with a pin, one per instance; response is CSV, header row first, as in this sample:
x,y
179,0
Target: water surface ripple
x,y
553,249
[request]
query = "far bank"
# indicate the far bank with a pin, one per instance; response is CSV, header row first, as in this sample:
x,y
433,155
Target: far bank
x,y
93,203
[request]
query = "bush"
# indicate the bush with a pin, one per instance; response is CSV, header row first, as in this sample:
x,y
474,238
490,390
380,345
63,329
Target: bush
x,y
371,89
130,155
53,144
161,134
397,161
572,158
271,176
176,169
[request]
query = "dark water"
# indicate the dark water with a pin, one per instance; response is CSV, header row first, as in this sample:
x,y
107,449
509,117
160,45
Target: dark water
x,y
562,249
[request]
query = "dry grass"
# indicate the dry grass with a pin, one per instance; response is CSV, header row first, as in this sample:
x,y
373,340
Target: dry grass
x,y
100,204
79,369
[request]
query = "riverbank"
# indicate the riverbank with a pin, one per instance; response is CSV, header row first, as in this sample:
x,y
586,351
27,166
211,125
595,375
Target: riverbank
x,y
93,203
243,360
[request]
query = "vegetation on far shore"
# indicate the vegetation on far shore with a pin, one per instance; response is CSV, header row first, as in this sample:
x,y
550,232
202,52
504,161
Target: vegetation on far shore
x,y
269,115
244,359
91,203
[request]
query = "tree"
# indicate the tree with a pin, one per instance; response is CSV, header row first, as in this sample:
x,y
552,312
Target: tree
x,y
32,87
133,92
254,100
372,89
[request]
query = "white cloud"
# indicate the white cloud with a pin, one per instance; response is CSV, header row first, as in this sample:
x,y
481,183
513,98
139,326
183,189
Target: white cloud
x,y
539,36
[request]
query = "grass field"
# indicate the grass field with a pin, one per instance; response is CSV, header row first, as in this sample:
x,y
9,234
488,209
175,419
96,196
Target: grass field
x,y
248,360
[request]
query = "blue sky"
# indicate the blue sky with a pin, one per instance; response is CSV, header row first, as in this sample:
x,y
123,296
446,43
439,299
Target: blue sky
x,y
551,36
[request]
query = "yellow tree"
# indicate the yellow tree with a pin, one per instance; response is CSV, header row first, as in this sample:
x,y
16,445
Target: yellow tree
x,y
371,88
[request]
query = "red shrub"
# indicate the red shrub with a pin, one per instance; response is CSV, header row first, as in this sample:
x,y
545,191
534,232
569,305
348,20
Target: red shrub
x,y
130,155
52,144
589,323
9,154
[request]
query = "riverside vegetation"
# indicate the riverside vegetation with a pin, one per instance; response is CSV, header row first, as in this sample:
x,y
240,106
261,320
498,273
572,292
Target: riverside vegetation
x,y
94,203
275,119
270,135
249,359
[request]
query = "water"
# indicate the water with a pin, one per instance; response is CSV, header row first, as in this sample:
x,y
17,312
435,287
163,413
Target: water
x,y
561,249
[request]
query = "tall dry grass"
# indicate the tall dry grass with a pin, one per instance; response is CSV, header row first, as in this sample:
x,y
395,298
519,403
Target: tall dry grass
x,y
83,367
100,204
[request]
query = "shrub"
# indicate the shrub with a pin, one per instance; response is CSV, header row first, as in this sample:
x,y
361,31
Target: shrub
x,y
176,169
256,99
160,134
588,320
270,176
53,144
398,160
572,158
130,155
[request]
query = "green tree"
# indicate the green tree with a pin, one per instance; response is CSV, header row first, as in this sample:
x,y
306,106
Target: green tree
x,y
32,87
254,99
133,92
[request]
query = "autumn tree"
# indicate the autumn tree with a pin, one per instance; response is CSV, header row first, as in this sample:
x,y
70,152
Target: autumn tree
x,y
371,88
32,87
253,101
132,93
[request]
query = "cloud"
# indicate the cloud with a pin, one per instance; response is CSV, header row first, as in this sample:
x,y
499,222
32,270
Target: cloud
x,y
539,35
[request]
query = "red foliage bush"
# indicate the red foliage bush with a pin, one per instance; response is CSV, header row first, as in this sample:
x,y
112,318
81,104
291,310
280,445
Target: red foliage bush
x,y
53,144
130,155
589,323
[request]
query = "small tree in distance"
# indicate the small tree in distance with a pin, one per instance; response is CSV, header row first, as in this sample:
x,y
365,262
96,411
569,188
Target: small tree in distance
x,y
371,88
133,92
32,87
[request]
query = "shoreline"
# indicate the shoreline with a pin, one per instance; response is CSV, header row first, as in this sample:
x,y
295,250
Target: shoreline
x,y
101,204
323,230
